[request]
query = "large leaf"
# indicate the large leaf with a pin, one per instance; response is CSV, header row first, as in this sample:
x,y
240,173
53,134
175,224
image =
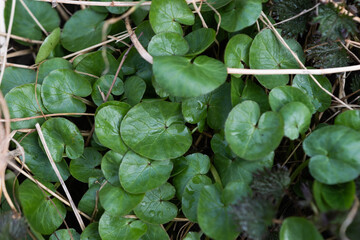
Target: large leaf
x,y
50,65
14,77
24,104
199,40
297,228
110,165
181,77
138,174
102,85
62,135
37,205
266,52
82,30
156,130
48,45
332,148
168,44
61,90
166,16
250,135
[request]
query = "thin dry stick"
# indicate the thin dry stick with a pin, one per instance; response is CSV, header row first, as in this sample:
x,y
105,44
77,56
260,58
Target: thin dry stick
x,y
18,65
298,15
218,14
47,115
34,18
199,13
350,52
22,38
56,170
269,24
105,4
349,219
19,53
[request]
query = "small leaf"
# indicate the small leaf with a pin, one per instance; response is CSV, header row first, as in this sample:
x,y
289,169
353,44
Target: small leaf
x,y
200,40
84,167
297,228
168,44
48,45
134,89
110,165
103,84
14,77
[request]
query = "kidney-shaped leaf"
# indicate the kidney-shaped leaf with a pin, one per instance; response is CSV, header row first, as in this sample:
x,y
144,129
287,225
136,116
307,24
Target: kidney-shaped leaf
x,y
168,44
332,148
156,130
50,65
297,228
181,77
199,40
350,119
250,135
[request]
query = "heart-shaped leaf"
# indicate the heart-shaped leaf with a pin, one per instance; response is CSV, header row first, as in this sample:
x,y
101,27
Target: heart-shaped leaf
x,y
332,148
64,234
48,45
14,77
155,207
181,77
50,65
138,174
168,44
297,228
62,90
350,119
250,135
110,165
162,136
102,86
166,16
200,40
134,89
61,134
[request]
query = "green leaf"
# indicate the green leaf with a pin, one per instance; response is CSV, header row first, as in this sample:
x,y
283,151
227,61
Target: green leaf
x,y
61,90
37,205
115,10
266,52
111,227
110,165
107,126
50,65
63,234
48,45
136,65
138,174
250,135
214,3
38,162
14,77
155,232
200,40
237,52
61,134
24,25
147,33
320,99
237,86
103,84
280,96
297,118
155,207
332,148
193,236
134,89
82,30
219,107
156,130
190,197
239,14
214,216
256,93
181,77
168,44
90,201
91,232
195,109
167,16
84,167
297,228
349,119
116,201
24,104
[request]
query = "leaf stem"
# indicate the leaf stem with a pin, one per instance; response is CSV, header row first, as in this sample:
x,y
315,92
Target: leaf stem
x,y
299,169
87,102
216,175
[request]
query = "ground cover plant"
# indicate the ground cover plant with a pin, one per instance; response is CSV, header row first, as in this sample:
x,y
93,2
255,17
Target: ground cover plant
x,y
217,119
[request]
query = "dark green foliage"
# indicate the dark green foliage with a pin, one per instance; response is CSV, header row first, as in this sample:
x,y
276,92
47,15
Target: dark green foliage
x,y
12,226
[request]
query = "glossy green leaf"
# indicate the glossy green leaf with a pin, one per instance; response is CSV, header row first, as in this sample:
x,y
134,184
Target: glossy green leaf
x,y
256,93
162,136
350,119
14,77
24,25
90,201
91,232
214,216
50,65
181,77
62,135
134,89
280,96
64,234
48,45
61,90
214,3
102,85
297,228
195,109
297,118
168,44
200,40
237,86
235,191
167,16
239,14
332,148
237,52
23,104
266,52
155,207
110,165
138,174
37,206
136,65
147,33
85,166
190,197
320,99
82,30
155,232
250,135
219,107
107,126
116,227
116,201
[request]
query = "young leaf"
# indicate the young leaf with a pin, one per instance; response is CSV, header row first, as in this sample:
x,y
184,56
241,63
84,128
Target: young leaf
x,y
48,45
